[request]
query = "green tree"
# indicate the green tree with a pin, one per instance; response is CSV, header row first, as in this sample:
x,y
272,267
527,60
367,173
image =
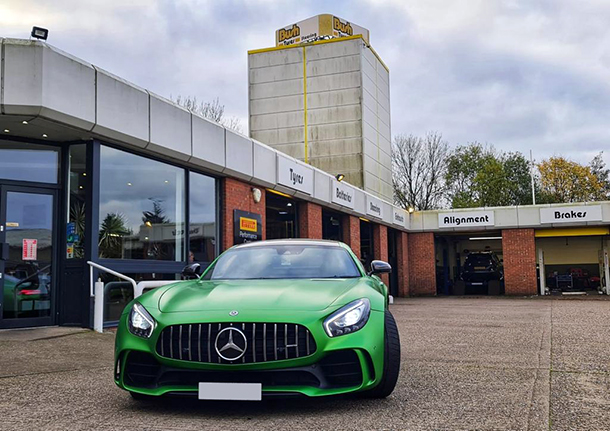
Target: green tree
x,y
112,231
563,180
479,176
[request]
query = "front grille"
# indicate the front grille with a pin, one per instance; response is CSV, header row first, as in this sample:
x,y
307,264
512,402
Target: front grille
x,y
265,342
340,369
141,370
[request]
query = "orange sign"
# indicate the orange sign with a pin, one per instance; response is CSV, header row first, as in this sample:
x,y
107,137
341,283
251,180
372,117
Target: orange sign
x,y
248,224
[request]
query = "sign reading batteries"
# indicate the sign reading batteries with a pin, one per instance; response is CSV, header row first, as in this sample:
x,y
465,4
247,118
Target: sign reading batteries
x,y
342,194
466,219
295,175
374,207
571,214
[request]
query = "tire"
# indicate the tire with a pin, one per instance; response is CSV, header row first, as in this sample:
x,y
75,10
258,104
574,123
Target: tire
x,y
391,360
493,288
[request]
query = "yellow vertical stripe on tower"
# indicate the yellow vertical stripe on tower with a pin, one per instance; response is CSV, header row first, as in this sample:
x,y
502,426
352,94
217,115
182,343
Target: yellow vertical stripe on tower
x,y
305,104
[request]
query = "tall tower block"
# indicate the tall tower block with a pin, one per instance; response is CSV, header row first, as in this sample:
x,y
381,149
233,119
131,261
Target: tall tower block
x,y
322,95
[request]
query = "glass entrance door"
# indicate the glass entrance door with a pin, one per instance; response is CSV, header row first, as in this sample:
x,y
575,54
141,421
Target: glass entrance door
x,y
27,255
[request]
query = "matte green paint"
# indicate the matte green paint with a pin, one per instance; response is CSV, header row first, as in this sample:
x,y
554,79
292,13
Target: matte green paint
x,y
304,301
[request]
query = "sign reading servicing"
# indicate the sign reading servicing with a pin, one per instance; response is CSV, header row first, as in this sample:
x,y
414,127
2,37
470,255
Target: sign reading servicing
x,y
399,217
466,219
294,175
342,194
247,227
571,214
374,207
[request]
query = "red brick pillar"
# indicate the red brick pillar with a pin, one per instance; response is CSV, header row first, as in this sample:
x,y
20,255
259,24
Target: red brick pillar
x,y
380,247
351,233
422,264
237,195
519,250
310,220
402,258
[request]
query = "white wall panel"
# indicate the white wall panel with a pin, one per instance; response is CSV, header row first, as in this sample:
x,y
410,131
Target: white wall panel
x,y
170,129
264,170
208,144
122,110
239,155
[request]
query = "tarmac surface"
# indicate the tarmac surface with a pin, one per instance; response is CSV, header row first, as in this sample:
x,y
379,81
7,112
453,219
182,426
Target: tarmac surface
x,y
467,363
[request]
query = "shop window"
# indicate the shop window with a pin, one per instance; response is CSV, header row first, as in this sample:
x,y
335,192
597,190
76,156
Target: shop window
x,y
28,162
142,208
281,217
77,186
331,226
202,218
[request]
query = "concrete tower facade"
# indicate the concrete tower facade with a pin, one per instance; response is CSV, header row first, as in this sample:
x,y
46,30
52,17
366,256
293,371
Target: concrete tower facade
x,y
327,103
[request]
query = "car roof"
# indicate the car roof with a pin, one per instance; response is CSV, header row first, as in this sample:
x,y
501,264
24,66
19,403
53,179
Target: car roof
x,y
294,241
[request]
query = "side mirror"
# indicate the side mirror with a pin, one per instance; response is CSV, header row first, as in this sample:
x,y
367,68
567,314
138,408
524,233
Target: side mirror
x,y
191,271
380,267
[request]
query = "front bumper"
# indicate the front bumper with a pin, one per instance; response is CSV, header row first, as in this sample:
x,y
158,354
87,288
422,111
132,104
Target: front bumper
x,y
344,364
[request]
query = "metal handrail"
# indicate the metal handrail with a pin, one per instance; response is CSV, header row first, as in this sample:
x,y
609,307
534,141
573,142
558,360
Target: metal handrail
x,y
109,271
98,293
151,284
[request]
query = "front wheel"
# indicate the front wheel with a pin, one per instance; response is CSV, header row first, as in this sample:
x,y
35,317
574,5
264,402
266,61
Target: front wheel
x,y
391,360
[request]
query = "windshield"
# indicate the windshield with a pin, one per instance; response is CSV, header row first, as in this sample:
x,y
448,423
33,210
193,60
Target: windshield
x,y
283,261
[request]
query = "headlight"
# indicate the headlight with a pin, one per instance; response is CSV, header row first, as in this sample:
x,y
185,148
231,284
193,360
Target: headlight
x,y
348,319
140,322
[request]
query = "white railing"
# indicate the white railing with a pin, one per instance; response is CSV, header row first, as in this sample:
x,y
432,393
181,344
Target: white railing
x,y
96,290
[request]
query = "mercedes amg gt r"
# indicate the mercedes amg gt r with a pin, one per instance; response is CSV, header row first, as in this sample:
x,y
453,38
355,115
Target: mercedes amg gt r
x,y
282,317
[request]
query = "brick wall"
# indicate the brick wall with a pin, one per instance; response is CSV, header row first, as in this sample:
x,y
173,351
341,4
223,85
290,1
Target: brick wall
x,y
310,220
519,253
351,233
402,257
422,264
236,194
380,247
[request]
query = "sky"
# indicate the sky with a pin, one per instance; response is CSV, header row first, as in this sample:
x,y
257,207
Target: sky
x,y
518,74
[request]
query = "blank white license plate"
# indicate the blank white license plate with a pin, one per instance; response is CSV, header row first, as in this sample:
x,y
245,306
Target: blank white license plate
x,y
477,284
231,391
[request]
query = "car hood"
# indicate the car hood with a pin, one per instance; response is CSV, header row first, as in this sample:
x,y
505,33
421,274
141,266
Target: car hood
x,y
298,295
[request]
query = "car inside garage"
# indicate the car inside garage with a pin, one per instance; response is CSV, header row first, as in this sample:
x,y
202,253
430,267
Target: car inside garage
x,y
469,263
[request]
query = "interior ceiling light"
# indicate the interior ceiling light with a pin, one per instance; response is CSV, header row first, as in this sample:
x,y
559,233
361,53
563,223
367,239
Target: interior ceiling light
x,y
44,135
129,184
6,130
24,122
84,174
483,238
340,177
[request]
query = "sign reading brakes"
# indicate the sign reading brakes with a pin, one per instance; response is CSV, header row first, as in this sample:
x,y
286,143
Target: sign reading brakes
x,y
571,214
342,194
316,27
466,219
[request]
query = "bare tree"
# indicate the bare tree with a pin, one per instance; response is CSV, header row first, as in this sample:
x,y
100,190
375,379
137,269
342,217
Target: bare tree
x,y
211,110
418,171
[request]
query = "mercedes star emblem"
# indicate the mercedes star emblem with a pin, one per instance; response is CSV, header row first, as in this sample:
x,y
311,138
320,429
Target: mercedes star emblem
x,y
233,313
231,344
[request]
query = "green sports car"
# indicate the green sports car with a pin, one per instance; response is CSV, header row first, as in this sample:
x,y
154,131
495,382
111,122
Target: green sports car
x,y
282,317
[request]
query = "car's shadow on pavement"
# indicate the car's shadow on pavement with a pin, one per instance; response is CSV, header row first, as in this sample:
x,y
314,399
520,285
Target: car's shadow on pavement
x,y
235,409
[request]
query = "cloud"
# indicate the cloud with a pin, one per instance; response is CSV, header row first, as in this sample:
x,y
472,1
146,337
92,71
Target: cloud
x,y
519,74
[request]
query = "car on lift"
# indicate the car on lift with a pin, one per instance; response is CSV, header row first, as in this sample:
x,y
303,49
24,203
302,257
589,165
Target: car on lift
x,y
280,317
482,273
